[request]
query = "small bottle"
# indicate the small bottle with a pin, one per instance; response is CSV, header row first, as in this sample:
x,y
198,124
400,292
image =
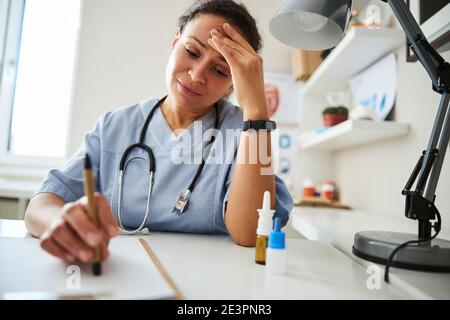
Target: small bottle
x,y
328,190
264,227
309,189
276,251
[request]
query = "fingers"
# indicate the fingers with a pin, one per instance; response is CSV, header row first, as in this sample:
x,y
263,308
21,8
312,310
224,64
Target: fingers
x,y
228,53
52,247
228,42
104,253
74,236
68,251
78,219
67,239
106,216
234,35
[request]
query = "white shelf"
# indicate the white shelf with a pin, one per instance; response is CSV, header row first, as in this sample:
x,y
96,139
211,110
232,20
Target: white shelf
x,y
352,133
359,49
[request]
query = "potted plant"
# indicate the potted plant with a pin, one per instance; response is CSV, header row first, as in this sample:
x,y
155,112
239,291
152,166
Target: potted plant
x,y
334,115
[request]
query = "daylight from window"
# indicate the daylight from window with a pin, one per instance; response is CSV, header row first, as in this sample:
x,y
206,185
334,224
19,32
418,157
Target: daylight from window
x,y
44,78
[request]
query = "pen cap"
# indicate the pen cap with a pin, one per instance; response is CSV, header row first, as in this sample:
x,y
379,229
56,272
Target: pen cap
x,y
265,222
277,237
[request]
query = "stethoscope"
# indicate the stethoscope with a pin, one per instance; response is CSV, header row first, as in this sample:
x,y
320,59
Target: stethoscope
x,y
182,201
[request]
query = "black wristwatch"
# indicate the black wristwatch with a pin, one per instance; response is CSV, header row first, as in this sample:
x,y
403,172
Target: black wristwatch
x,y
268,125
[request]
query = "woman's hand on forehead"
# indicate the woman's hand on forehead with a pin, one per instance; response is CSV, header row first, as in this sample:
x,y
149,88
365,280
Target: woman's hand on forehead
x,y
246,69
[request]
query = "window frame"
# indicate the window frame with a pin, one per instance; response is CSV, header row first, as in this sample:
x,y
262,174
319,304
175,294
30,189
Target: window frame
x,y
9,55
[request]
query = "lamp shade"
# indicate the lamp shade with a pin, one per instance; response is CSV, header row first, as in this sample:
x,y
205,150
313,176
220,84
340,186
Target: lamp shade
x,y
311,24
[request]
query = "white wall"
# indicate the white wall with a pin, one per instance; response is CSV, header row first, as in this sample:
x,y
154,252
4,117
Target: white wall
x,y
124,48
372,177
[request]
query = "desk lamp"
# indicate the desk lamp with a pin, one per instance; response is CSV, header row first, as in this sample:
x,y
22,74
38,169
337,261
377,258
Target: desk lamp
x,y
320,24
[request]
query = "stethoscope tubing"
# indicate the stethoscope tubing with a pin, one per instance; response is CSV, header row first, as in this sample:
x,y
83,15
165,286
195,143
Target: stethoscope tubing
x,y
152,169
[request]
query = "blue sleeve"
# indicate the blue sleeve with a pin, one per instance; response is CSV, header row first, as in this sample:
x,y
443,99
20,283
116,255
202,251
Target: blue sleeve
x,y
67,182
284,200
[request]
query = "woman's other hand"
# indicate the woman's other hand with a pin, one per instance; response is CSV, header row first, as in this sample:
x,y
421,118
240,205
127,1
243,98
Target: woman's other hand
x,y
246,69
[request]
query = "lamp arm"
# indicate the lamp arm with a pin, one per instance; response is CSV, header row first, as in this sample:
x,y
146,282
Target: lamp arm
x,y
420,206
436,67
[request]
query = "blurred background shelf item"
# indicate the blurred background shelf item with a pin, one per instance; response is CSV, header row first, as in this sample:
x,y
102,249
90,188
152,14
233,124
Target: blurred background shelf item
x,y
352,133
319,202
304,63
360,48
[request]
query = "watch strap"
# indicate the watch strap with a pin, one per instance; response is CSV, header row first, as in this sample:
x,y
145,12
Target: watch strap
x,y
268,125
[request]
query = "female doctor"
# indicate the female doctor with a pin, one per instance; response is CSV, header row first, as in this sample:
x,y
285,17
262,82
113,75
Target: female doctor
x,y
213,52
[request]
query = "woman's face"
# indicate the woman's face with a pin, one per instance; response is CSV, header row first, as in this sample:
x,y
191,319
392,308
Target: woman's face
x,y
197,75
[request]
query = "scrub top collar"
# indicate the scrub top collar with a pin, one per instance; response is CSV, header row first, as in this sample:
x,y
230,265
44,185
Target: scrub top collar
x,y
165,139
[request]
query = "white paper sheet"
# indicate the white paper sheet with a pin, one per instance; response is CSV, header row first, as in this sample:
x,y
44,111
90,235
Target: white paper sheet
x,y
129,273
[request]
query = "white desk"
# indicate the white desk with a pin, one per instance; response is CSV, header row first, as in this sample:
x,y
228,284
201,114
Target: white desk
x,y
338,227
213,267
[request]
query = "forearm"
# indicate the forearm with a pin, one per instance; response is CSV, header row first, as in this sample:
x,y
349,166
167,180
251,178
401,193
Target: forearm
x,y
253,174
41,211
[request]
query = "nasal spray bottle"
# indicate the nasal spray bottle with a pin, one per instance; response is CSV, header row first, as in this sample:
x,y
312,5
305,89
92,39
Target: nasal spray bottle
x,y
276,251
264,227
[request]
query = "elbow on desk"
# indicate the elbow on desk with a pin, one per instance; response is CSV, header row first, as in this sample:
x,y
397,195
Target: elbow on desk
x,y
241,236
244,241
30,223
244,236
41,211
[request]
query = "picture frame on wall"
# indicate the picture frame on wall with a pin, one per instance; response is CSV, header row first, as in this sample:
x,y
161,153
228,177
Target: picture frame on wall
x,y
433,19
282,93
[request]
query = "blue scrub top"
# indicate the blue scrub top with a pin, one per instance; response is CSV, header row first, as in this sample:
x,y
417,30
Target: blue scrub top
x,y
118,129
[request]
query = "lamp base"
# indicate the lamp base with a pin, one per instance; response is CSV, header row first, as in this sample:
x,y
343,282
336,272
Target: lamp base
x,y
376,246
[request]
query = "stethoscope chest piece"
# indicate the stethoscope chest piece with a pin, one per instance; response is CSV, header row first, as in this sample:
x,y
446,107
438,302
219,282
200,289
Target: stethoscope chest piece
x,y
182,202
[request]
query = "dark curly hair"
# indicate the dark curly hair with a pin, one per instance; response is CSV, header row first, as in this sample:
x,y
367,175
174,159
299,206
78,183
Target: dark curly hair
x,y
234,13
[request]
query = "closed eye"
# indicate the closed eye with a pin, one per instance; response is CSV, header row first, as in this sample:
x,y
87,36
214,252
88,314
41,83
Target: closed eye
x,y
217,70
192,54
220,72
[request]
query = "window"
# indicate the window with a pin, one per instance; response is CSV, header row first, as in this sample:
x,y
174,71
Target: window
x,y
38,46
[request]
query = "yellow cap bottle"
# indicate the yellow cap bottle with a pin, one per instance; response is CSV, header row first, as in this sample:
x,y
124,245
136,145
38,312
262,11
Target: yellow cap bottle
x,y
265,224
